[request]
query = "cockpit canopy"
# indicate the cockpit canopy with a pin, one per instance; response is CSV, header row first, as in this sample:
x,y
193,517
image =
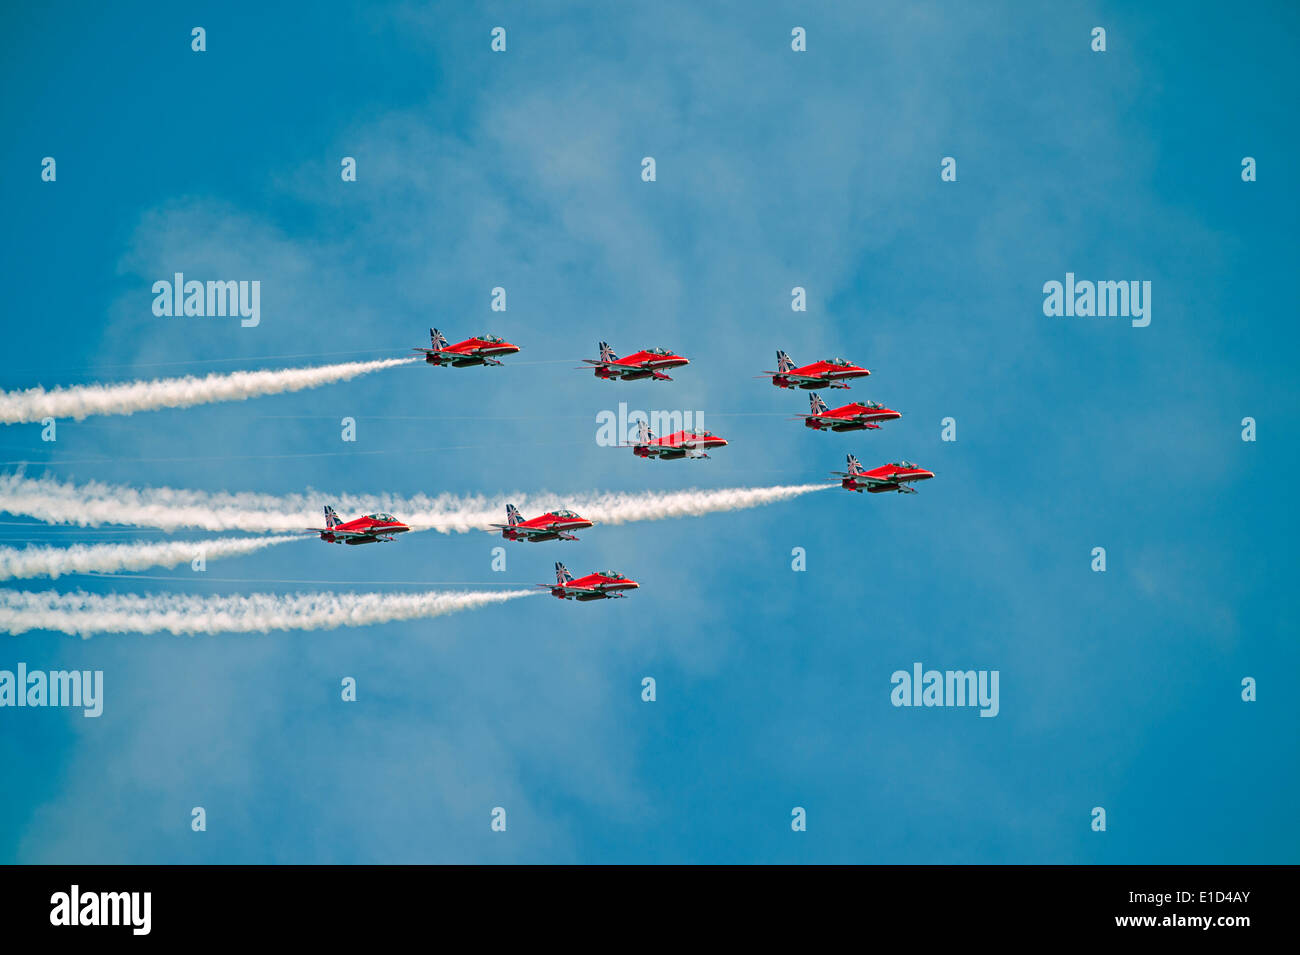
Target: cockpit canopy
x,y
658,351
561,512
385,518
873,405
906,464
610,573
491,339
839,361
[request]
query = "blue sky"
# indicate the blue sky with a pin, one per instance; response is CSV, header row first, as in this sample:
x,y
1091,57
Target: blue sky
x,y
775,169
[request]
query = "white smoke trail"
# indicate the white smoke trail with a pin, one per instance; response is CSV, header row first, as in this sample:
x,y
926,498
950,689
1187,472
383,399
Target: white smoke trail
x,y
42,561
82,614
613,508
81,401
95,504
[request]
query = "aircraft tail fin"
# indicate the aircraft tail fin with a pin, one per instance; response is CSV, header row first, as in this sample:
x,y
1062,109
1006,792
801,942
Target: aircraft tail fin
x,y
331,518
562,575
816,404
436,341
643,432
783,361
512,515
607,353
855,466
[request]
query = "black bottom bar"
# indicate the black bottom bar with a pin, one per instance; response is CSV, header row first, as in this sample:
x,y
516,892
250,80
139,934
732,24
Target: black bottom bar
x,y
333,904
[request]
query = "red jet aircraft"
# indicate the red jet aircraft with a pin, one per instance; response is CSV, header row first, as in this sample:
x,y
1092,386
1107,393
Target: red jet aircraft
x,y
553,525
371,529
602,585
856,416
681,444
480,350
832,372
887,477
649,363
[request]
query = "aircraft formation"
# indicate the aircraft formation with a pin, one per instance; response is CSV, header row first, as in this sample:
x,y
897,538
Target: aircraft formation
x,y
648,364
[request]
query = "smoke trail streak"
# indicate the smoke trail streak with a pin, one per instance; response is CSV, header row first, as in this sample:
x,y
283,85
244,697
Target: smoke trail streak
x,y
41,561
95,504
82,614
81,401
614,508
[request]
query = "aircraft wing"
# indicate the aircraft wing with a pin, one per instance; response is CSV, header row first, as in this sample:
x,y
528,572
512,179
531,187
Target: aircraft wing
x,y
450,353
866,421
794,377
578,591
823,379
525,531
